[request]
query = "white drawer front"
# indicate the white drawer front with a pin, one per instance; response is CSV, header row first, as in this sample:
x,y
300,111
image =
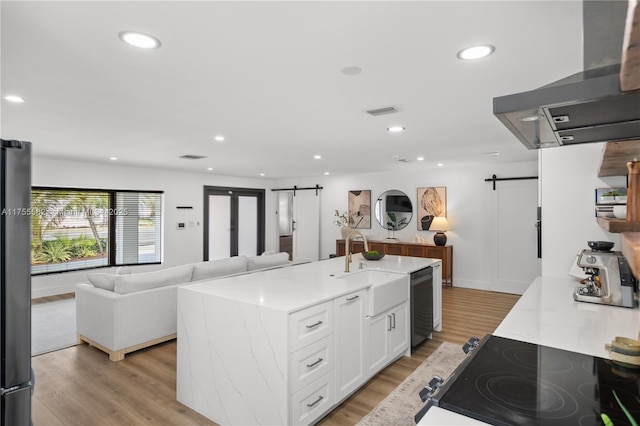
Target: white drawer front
x,y
310,325
311,362
313,401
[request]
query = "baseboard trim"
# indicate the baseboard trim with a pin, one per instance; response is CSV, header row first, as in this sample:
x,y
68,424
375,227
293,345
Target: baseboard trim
x,y
37,293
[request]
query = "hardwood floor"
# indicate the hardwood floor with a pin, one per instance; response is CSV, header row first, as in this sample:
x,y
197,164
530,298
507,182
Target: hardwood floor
x,y
80,386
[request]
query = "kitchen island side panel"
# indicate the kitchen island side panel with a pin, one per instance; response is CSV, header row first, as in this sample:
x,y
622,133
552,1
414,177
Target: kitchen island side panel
x,y
232,360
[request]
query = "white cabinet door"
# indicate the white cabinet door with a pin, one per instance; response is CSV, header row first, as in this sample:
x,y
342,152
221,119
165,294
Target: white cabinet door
x,y
378,328
349,312
399,333
387,336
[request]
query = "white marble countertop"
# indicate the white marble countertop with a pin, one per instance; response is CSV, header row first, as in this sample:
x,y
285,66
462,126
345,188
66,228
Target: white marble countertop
x,y
546,314
293,288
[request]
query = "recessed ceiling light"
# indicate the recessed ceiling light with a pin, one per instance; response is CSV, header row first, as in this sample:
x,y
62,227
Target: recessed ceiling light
x,y
492,153
440,164
261,174
140,40
395,129
219,138
327,173
420,158
475,52
113,158
351,70
534,117
14,99
317,157
210,168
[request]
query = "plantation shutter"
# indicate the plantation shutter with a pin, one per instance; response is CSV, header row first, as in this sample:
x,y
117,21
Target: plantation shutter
x,y
138,218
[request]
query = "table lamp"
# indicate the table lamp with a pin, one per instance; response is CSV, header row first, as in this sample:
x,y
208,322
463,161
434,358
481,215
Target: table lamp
x,y
440,225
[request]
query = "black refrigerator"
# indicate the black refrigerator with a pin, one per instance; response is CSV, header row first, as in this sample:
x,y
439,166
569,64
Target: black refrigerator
x,y
15,282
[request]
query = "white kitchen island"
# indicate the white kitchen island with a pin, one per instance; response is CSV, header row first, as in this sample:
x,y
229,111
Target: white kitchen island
x,y
285,346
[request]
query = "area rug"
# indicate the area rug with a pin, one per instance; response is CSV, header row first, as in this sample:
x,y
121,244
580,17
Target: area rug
x,y
402,404
53,325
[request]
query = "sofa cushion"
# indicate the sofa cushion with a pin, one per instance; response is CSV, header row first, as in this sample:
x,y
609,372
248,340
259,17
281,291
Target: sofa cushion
x,y
102,280
218,268
267,261
137,282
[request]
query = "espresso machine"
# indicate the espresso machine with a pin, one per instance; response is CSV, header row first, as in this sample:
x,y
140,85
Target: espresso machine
x,y
609,280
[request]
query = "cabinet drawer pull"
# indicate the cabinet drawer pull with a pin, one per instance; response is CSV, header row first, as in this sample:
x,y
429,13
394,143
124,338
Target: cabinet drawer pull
x,y
314,325
313,364
320,398
352,298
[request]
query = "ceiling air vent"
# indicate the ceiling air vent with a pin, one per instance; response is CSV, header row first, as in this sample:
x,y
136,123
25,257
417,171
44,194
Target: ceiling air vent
x,y
192,157
382,111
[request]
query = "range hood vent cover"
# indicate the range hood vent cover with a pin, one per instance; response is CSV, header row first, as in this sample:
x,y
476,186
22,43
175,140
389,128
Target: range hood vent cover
x,y
585,107
591,109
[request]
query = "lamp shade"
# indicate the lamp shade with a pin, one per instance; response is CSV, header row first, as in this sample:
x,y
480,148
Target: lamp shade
x,y
439,224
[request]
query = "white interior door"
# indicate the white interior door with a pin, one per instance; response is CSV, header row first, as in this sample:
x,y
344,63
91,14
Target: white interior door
x,y
306,233
247,225
515,240
219,226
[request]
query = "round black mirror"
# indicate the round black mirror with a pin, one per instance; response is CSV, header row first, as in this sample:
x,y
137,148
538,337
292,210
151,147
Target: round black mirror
x,y
393,210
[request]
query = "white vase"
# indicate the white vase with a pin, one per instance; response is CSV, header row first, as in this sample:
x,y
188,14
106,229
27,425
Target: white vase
x,y
620,212
345,230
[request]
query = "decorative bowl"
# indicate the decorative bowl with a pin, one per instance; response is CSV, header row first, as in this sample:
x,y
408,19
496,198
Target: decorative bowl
x,y
372,257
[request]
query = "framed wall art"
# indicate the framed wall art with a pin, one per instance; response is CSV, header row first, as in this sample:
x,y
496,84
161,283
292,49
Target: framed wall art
x,y
432,202
360,209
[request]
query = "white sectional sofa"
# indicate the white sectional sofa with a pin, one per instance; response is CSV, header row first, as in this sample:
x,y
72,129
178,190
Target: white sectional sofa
x,y
124,313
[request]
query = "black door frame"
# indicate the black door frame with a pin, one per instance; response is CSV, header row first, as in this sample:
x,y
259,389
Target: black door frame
x,y
234,193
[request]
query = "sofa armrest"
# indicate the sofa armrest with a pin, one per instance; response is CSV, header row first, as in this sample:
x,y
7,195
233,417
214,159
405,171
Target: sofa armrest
x,y
96,313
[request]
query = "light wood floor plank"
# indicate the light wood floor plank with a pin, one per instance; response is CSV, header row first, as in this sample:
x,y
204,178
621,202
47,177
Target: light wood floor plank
x,y
80,386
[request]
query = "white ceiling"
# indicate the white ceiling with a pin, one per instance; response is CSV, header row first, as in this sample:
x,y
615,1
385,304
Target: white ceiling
x,y
267,76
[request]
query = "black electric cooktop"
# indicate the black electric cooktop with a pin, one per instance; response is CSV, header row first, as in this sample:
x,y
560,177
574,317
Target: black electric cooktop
x,y
508,382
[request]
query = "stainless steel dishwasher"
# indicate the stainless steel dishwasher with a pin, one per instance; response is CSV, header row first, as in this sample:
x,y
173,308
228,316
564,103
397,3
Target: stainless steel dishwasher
x,y
421,305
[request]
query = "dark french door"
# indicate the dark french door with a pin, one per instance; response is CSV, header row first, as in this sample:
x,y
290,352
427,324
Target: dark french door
x,y
233,222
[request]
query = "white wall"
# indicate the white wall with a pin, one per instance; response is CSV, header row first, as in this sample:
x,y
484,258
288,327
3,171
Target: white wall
x,y
468,211
569,179
180,189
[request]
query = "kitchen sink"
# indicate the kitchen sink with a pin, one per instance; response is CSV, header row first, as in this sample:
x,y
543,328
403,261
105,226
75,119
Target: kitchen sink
x,y
387,288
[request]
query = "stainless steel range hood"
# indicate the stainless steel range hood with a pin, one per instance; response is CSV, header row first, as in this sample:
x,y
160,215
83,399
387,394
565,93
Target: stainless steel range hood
x,y
586,107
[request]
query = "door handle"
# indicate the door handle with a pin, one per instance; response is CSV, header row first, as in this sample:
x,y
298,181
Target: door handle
x,y
352,298
393,318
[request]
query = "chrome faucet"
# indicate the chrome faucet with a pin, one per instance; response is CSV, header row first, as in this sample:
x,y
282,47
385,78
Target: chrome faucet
x,y
347,257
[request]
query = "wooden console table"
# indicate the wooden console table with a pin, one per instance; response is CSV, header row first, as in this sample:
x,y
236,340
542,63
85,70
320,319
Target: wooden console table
x,y
407,249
